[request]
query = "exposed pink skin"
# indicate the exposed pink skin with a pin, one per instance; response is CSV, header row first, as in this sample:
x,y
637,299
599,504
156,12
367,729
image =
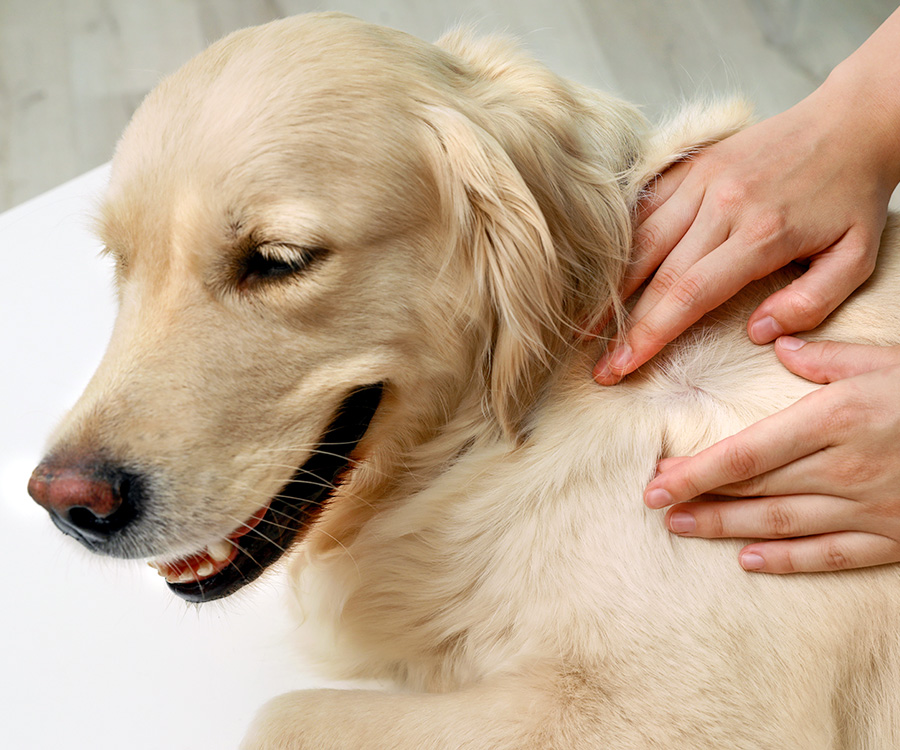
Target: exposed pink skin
x,y
60,489
249,523
193,562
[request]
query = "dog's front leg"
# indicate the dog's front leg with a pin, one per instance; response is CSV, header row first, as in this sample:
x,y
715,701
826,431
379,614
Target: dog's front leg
x,y
507,716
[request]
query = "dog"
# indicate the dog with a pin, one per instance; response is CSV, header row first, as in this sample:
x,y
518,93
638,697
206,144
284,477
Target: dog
x,y
354,275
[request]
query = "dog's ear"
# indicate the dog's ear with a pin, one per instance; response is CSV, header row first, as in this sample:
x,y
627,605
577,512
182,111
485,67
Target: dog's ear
x,y
504,240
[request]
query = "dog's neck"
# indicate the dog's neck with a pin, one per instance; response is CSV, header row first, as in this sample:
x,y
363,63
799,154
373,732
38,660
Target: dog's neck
x,y
404,451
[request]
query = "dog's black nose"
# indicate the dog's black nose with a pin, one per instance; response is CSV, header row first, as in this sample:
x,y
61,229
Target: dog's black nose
x,y
88,502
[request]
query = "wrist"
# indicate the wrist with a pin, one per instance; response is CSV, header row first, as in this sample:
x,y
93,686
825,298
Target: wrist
x,y
864,92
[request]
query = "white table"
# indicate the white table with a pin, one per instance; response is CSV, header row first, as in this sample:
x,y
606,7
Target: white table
x,y
95,653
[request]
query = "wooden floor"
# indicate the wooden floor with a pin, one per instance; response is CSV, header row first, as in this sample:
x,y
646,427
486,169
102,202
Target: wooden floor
x,y
73,71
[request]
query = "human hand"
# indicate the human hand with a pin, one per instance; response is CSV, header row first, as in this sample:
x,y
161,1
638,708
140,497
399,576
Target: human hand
x,y
804,185
823,476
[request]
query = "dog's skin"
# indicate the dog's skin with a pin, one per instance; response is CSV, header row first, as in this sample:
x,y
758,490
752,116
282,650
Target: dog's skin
x,y
319,205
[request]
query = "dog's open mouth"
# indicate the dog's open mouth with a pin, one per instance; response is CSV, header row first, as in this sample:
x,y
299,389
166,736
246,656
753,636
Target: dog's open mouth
x,y
225,565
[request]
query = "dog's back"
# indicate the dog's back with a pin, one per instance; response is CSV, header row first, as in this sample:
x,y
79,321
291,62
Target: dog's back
x,y
541,564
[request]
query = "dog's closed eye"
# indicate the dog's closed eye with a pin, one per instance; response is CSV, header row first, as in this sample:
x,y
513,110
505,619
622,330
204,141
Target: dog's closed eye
x,y
274,261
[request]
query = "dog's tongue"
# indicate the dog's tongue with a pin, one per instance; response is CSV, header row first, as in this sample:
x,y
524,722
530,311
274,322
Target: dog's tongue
x,y
212,559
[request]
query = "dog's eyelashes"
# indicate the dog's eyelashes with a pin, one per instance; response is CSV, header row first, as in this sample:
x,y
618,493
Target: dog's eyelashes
x,y
273,262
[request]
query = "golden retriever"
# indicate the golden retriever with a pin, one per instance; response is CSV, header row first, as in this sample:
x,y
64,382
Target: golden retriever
x,y
353,272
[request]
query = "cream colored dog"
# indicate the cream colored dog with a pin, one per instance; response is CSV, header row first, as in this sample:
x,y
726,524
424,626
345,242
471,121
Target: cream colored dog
x,y
341,249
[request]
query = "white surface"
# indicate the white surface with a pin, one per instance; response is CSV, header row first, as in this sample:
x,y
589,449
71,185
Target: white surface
x,y
97,653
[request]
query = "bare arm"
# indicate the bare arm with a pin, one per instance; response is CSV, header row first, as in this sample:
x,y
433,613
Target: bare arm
x,y
810,184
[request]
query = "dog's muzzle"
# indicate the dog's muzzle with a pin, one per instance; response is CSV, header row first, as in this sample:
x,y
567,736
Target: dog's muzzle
x,y
98,504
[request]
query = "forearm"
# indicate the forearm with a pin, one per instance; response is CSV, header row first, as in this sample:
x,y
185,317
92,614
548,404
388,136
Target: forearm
x,y
812,183
866,86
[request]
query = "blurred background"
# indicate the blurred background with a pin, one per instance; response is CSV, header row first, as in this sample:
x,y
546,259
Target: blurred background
x,y
73,71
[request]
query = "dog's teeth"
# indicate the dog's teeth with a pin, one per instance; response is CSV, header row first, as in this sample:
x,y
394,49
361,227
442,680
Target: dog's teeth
x,y
220,551
205,569
160,568
186,577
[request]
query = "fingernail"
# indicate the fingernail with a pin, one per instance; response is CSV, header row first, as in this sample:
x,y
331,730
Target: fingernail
x,y
601,369
658,498
620,358
791,343
751,561
682,523
765,330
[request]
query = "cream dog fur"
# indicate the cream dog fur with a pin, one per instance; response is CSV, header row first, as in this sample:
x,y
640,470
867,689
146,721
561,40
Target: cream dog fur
x,y
319,205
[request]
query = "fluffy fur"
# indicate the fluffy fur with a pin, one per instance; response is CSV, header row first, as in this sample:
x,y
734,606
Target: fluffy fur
x,y
489,553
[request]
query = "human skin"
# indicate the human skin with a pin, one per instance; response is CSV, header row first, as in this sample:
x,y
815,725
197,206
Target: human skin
x,y
824,473
811,185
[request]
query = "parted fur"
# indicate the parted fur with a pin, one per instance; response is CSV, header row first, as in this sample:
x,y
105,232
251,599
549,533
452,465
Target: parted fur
x,y
489,553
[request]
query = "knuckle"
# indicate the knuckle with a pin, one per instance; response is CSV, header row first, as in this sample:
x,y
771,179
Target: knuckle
x,y
840,416
831,365
767,227
840,472
862,264
713,523
779,520
848,412
787,564
749,487
806,308
687,291
719,525
834,557
731,195
664,279
740,461
647,238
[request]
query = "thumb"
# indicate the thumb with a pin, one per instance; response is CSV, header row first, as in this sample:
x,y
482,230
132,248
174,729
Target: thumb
x,y
832,276
827,361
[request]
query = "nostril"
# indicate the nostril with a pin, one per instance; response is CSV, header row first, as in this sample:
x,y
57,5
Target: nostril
x,y
85,519
92,501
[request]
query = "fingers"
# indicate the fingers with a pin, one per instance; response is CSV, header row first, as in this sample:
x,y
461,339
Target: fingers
x,y
809,474
666,218
771,443
827,361
697,277
826,552
660,189
763,518
677,298
670,272
832,276
816,533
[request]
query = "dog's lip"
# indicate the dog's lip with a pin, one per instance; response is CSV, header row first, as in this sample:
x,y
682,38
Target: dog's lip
x,y
218,571
212,559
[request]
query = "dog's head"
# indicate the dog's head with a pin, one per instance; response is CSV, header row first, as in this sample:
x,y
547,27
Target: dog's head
x,y
329,238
